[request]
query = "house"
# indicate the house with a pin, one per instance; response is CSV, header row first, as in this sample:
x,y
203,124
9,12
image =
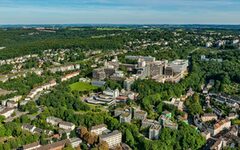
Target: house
x,y
75,142
53,120
154,131
113,139
208,117
66,125
99,129
31,146
7,112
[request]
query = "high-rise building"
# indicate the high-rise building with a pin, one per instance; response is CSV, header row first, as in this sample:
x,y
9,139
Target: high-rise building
x,y
154,131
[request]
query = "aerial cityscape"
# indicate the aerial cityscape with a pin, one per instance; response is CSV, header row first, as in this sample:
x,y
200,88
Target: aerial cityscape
x,y
120,75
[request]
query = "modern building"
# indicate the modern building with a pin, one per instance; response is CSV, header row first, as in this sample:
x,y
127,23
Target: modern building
x,y
99,129
125,117
154,131
140,114
128,83
113,139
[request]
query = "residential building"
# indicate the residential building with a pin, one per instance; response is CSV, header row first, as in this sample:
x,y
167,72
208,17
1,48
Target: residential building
x,y
176,102
31,146
29,127
53,120
217,145
148,122
75,142
113,139
219,126
232,116
99,74
119,111
128,83
66,125
7,112
99,129
55,146
140,114
12,104
206,134
154,131
70,75
208,117
125,117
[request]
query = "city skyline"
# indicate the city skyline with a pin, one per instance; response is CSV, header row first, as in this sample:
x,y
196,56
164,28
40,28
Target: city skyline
x,y
119,12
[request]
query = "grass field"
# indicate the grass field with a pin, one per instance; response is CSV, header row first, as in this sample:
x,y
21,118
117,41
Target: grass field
x,y
82,87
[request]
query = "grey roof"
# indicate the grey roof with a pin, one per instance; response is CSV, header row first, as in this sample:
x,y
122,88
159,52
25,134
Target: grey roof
x,y
98,126
66,123
115,132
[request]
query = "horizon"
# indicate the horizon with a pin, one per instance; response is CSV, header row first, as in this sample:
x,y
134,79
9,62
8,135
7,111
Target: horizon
x,y
159,12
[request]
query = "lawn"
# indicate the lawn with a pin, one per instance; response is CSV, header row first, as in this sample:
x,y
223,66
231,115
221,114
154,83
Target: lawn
x,y
82,87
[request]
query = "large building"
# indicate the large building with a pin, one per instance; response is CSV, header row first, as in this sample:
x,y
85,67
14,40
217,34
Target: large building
x,y
154,131
66,125
99,74
128,83
7,112
140,114
99,129
108,97
208,117
113,139
125,117
219,126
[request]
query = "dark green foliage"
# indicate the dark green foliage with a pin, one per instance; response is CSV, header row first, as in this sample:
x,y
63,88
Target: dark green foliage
x,y
5,68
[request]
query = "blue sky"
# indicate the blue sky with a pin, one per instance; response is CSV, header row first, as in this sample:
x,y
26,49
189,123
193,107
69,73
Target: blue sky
x,y
120,11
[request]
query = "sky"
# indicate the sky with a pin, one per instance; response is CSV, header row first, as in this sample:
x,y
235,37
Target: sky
x,y
119,11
